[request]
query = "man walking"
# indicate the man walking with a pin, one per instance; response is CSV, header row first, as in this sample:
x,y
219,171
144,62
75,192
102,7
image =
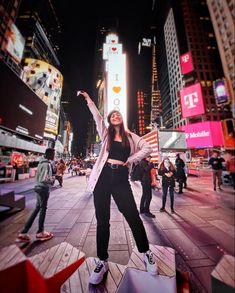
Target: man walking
x,y
216,163
146,181
44,180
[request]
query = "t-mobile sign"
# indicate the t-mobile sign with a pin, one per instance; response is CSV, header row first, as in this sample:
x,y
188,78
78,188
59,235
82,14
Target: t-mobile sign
x,y
186,63
204,134
192,100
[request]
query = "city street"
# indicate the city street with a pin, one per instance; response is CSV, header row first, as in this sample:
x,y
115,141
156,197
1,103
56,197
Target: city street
x,y
201,230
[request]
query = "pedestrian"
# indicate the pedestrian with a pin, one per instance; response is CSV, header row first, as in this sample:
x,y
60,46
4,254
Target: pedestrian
x,y
167,171
230,166
60,169
216,163
146,182
110,176
180,173
44,180
88,173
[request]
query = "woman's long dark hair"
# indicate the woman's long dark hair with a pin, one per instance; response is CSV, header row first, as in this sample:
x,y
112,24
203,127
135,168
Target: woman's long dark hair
x,y
111,133
162,166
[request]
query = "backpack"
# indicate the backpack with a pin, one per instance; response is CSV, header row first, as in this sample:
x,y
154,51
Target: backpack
x,y
53,168
137,172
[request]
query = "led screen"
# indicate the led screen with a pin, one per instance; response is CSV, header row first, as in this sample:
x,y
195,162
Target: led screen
x,y
221,91
46,81
15,43
21,109
172,140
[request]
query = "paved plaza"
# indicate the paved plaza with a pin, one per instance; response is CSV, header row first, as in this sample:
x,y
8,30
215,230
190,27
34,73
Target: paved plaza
x,y
201,231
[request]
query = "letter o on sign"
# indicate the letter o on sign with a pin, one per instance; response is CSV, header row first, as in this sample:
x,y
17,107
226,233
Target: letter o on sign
x,y
116,102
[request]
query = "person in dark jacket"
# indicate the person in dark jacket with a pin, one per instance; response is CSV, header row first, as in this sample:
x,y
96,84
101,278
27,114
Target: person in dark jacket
x,y
216,163
146,181
167,171
180,173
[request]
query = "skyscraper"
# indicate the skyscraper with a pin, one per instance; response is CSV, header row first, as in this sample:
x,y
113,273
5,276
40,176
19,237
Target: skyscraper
x,y
173,65
222,14
185,26
156,107
40,26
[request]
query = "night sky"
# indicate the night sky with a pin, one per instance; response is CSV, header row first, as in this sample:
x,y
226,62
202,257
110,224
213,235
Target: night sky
x,y
79,28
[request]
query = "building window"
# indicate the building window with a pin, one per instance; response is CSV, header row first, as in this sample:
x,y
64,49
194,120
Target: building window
x,y
208,83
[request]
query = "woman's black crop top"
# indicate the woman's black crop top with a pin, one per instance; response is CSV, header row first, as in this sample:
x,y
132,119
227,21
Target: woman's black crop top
x,y
119,152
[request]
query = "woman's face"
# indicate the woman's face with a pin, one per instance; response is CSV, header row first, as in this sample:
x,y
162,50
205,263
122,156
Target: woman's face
x,y
116,118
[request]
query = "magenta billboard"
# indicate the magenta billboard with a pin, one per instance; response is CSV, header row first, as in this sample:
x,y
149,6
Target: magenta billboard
x,y
186,63
204,134
191,98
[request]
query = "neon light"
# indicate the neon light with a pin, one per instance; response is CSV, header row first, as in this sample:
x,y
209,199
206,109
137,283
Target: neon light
x,y
116,88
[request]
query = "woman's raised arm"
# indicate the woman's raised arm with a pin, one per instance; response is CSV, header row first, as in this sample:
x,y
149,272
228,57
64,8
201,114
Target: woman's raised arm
x,y
100,126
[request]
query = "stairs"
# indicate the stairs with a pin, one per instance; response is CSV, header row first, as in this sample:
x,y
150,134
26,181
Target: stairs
x,y
8,198
43,273
64,268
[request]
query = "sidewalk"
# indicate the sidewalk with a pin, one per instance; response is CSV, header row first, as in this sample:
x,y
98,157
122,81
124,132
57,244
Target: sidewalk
x,y
22,186
19,186
201,231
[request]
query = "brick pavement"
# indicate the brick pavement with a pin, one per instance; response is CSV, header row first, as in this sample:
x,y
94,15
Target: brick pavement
x,y
201,231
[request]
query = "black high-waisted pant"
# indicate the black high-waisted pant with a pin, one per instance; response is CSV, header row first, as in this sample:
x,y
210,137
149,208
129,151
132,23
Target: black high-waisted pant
x,y
115,182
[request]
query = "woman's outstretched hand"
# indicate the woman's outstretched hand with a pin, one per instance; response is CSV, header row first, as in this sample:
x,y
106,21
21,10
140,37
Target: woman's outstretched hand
x,y
85,95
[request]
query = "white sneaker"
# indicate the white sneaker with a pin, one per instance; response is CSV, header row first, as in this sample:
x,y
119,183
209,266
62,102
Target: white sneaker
x,y
98,274
150,263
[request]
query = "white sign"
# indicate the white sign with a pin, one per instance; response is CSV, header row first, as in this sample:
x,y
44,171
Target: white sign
x,y
111,49
146,42
202,133
112,39
191,100
116,85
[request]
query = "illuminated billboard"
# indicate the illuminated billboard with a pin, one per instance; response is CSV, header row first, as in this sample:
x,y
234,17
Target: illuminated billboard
x,y
191,98
186,63
112,39
204,134
116,85
172,140
111,49
15,43
228,127
21,110
221,92
46,81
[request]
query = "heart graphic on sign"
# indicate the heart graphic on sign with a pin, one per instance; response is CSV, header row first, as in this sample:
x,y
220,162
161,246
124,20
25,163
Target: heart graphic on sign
x,y
114,49
113,41
116,89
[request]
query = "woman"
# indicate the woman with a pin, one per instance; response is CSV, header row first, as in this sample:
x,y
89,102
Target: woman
x,y
110,176
167,171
